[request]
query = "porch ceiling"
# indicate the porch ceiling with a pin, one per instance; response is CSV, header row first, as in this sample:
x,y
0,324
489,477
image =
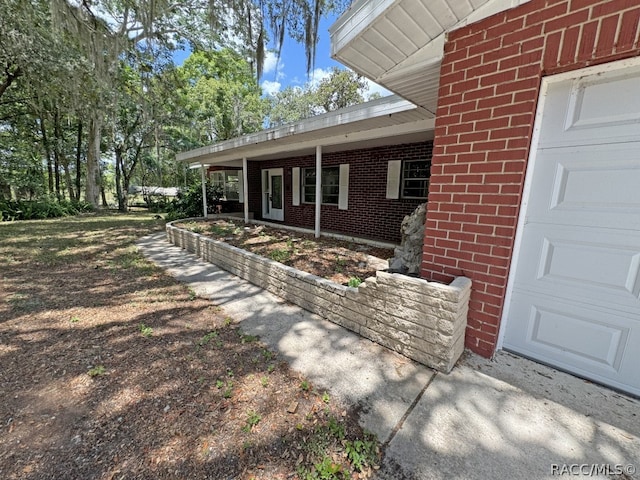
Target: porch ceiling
x,y
399,43
389,120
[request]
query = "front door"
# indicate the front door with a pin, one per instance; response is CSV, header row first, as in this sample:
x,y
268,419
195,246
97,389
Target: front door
x,y
273,194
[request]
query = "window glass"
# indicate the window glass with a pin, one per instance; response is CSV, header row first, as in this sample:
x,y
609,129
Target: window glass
x,y
415,178
276,191
330,185
228,183
309,185
231,186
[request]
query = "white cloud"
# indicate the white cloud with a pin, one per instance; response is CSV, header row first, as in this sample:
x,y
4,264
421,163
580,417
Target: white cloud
x,y
273,65
317,75
270,62
271,88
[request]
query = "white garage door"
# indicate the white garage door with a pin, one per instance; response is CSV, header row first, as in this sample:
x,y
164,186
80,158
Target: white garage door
x,y
575,291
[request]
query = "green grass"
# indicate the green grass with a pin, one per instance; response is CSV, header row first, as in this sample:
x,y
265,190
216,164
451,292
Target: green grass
x,y
362,452
253,418
221,230
145,330
96,371
104,242
358,454
84,238
207,338
280,255
245,338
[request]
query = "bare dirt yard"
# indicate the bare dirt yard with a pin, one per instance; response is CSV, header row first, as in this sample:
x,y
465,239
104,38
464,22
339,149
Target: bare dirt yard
x,y
111,370
336,260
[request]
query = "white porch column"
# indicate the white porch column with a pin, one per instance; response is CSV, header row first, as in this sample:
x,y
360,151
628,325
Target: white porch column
x,y
204,190
245,183
318,188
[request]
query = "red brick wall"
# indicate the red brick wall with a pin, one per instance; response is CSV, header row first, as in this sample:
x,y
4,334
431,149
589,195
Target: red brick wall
x,y
370,214
490,78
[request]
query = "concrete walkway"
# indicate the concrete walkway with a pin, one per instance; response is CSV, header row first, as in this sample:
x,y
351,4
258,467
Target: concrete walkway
x,y
503,419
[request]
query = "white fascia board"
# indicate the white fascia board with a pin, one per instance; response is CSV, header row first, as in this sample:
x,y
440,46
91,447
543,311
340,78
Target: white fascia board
x,y
426,125
356,20
361,16
433,52
376,108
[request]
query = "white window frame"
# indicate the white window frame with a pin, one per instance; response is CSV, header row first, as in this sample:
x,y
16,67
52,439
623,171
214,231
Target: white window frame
x,y
221,178
303,185
404,179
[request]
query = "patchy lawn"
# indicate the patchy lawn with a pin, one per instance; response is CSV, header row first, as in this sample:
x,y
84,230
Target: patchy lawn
x,y
337,260
110,369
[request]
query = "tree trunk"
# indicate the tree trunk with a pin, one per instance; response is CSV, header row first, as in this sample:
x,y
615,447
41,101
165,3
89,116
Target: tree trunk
x,y
56,151
127,173
67,180
125,192
11,75
93,162
161,183
103,195
122,205
56,171
5,191
47,151
79,162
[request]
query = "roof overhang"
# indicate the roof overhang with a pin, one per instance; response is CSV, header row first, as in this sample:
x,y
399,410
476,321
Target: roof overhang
x,y
385,121
400,43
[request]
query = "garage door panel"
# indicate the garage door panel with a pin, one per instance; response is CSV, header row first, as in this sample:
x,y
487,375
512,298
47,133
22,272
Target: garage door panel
x,y
598,181
598,343
607,103
595,343
574,297
600,266
588,185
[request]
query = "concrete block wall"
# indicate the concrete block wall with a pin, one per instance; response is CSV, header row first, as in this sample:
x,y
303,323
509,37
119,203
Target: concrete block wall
x,y
422,320
489,86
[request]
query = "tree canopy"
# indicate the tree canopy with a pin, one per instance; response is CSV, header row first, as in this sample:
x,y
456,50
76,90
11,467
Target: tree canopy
x,y
222,97
89,91
341,88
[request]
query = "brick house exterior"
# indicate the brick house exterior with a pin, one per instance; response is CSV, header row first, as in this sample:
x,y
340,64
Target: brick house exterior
x,y
489,86
476,82
369,214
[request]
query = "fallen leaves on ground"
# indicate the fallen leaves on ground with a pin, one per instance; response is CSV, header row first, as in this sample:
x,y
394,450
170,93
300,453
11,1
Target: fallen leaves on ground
x,y
113,370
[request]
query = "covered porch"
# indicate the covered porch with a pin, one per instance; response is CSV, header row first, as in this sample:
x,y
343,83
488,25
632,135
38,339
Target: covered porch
x,y
339,172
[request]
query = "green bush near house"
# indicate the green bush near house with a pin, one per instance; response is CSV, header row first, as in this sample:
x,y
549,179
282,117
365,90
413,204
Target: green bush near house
x,y
188,203
11,210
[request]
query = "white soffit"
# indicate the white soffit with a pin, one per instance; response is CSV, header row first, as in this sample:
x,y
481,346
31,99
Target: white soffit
x,y
386,120
399,43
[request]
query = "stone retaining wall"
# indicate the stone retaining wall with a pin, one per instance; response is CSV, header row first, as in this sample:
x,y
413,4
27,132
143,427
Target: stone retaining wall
x,y
422,320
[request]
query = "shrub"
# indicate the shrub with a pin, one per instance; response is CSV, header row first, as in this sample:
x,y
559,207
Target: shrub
x,y
38,209
188,203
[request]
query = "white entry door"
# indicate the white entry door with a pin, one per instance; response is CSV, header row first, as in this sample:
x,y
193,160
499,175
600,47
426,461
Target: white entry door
x,y
575,290
273,194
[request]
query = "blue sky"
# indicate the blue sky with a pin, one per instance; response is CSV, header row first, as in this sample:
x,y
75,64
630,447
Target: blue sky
x,y
292,70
